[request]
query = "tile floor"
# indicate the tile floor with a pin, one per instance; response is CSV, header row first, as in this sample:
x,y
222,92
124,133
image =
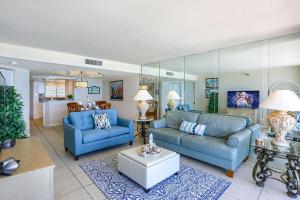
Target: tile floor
x,y
71,183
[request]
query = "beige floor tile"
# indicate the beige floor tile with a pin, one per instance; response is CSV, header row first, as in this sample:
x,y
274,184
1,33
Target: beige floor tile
x,y
274,190
84,179
227,197
80,194
95,192
62,172
76,169
65,185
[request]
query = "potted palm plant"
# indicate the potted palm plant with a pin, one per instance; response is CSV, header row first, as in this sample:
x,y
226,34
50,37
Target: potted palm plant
x,y
12,124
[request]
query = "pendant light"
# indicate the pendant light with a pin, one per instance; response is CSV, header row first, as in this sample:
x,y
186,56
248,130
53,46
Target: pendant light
x,y
81,81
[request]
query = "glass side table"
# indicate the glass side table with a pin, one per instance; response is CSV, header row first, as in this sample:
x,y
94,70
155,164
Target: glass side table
x,y
289,176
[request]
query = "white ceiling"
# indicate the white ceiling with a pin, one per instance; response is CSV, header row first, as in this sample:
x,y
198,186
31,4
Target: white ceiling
x,y
144,31
49,69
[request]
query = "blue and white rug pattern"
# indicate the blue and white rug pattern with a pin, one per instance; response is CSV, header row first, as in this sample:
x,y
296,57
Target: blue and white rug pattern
x,y
190,183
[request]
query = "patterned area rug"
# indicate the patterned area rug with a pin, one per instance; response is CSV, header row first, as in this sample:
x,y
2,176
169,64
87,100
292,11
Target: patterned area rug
x,y
190,183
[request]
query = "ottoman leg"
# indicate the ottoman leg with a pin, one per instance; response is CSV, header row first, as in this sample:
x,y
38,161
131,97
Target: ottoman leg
x,y
176,173
119,172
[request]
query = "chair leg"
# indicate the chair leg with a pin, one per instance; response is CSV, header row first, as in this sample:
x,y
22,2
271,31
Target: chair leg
x,y
229,173
245,159
130,142
66,148
76,158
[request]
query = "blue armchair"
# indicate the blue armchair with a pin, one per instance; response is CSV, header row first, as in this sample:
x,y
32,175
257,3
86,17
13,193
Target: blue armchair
x,y
80,135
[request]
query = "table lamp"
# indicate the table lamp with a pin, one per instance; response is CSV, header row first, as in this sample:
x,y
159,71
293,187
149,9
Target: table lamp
x,y
172,96
142,96
281,101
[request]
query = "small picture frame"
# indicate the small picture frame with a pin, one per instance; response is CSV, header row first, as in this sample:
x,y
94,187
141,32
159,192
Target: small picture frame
x,y
116,90
208,92
212,82
93,90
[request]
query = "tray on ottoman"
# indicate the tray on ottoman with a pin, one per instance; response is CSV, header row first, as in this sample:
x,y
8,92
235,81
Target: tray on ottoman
x,y
148,171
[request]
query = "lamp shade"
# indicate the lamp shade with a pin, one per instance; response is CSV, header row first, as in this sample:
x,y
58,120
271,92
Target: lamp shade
x,y
173,95
142,95
282,100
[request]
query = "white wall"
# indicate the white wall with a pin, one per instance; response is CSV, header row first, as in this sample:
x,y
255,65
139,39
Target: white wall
x,y
36,106
126,108
22,85
81,94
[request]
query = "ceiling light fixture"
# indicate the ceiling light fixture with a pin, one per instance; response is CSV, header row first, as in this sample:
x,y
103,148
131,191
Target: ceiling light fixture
x,y
81,81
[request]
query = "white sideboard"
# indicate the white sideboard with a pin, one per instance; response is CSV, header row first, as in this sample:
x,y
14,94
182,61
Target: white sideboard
x,y
34,178
253,114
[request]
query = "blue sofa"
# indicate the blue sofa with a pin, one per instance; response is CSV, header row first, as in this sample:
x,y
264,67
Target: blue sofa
x,y
225,143
80,135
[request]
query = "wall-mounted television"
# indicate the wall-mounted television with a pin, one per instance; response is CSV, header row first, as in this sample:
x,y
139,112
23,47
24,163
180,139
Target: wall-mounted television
x,y
243,99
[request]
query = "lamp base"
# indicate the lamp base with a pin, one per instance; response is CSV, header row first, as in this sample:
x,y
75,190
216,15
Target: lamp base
x,y
171,104
143,106
281,123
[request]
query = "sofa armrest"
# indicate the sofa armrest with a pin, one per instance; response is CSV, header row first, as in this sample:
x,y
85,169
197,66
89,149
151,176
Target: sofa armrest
x,y
127,123
158,124
240,139
72,138
255,132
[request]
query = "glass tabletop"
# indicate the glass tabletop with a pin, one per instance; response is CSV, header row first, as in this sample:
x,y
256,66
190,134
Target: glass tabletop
x,y
293,149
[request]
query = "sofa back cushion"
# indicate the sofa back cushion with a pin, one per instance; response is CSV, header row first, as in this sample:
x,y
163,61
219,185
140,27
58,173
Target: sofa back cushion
x,y
112,115
174,118
82,120
221,125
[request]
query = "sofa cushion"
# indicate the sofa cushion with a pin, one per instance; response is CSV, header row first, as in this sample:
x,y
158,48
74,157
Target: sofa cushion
x,y
112,115
93,135
221,125
209,145
174,118
116,130
82,120
192,128
167,134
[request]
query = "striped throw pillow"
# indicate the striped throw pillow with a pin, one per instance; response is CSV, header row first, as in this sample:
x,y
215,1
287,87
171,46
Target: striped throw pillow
x,y
193,128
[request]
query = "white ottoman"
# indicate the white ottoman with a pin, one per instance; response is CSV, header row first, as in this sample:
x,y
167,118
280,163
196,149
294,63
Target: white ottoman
x,y
148,171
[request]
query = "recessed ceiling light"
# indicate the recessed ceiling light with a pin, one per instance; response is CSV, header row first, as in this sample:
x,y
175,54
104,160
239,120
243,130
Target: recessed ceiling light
x,y
13,62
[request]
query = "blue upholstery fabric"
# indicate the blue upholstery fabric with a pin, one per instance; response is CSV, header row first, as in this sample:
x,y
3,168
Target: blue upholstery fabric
x,y
116,130
161,123
81,138
167,134
174,118
221,125
209,145
94,135
112,115
227,153
82,120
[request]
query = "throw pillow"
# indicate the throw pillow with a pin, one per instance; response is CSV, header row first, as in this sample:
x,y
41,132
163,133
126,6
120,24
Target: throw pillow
x,y
190,127
101,121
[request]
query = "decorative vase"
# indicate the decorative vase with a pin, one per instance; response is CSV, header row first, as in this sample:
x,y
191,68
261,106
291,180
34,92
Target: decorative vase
x,y
281,123
143,106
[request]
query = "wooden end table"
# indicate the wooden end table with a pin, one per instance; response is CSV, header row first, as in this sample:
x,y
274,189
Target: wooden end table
x,y
141,127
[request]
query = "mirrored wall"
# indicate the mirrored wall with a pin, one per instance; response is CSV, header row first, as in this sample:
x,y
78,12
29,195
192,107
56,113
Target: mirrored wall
x,y
231,80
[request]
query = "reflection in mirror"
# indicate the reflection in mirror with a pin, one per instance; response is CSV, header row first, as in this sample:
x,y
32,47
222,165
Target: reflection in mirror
x,y
242,78
172,84
150,77
284,67
201,81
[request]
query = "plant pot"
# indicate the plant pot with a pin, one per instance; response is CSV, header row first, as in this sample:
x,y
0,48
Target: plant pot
x,y
8,143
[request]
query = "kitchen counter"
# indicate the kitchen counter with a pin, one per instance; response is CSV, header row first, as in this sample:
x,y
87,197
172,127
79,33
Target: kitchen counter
x,y
54,112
